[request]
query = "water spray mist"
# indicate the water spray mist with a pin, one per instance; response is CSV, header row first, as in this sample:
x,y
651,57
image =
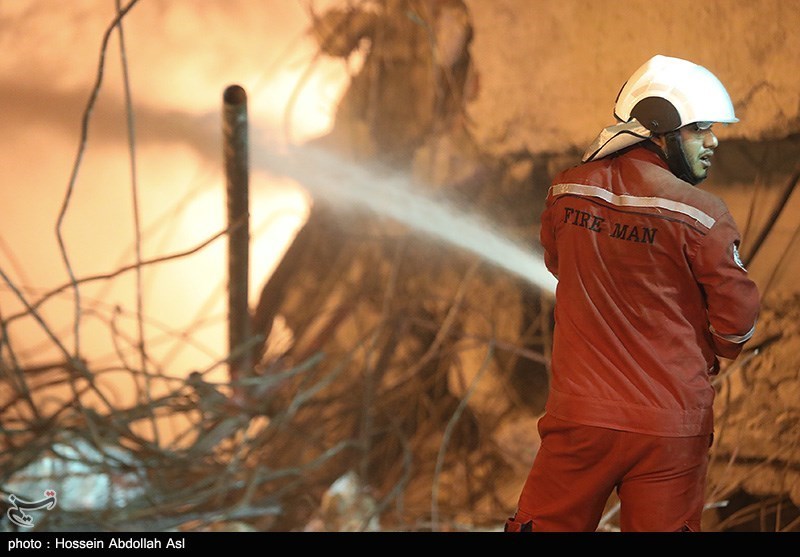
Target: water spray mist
x,y
344,185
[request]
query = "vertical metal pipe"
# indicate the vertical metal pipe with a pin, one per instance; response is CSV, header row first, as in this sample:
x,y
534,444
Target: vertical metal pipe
x,y
235,150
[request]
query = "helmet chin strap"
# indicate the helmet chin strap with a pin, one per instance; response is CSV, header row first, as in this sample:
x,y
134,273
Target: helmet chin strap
x,y
676,158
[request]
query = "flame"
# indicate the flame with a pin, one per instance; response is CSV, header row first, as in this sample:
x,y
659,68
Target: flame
x,y
178,61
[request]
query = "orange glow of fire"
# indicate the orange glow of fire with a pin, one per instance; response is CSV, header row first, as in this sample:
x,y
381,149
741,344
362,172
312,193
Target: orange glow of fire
x,y
179,60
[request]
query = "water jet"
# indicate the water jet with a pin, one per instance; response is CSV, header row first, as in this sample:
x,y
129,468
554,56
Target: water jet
x,y
346,186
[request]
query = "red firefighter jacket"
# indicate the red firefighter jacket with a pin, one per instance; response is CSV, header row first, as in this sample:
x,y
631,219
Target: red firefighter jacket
x,y
650,292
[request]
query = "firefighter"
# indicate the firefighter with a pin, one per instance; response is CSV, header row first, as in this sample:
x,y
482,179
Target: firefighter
x,y
651,293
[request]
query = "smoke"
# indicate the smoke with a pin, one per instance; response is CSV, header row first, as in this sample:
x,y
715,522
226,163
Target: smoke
x,y
178,56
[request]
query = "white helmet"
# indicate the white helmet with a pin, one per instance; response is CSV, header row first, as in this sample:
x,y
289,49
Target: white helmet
x,y
663,95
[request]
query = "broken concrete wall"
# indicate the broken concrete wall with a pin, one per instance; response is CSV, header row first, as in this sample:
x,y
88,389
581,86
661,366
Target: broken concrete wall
x,y
549,70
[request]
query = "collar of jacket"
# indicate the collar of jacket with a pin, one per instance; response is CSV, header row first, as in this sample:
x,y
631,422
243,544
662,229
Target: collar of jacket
x,y
645,151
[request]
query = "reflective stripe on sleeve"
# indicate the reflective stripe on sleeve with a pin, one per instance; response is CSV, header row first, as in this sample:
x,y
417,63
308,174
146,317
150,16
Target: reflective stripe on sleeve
x,y
736,339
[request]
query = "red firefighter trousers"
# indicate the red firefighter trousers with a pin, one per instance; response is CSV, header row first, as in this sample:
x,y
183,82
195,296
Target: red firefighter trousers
x,y
660,481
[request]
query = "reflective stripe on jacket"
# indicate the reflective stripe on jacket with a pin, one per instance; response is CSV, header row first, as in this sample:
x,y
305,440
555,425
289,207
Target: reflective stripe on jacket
x,y
648,273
